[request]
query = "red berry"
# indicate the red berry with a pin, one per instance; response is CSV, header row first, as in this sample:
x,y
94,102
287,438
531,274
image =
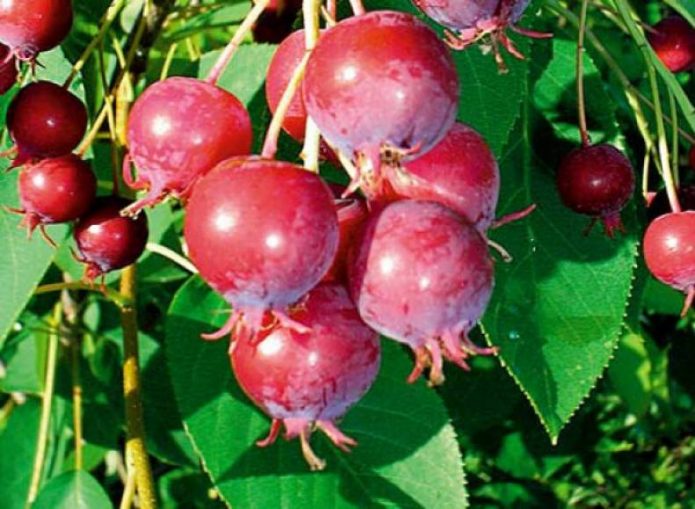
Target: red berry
x,y
45,120
352,215
669,250
471,21
381,85
56,190
597,181
660,204
673,41
306,379
39,26
422,276
262,233
460,172
285,60
107,240
178,130
8,69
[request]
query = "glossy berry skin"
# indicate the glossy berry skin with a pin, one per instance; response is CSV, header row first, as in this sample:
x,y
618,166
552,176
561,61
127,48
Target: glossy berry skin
x,y
312,378
29,27
178,130
386,62
45,120
673,41
56,190
422,276
286,58
460,172
106,240
8,69
669,251
262,234
596,180
352,215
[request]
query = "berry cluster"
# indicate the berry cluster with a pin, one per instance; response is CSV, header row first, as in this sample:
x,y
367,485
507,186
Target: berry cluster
x,y
46,123
315,272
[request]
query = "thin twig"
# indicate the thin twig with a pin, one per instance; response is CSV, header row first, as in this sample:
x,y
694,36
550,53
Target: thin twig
x,y
173,256
311,9
581,105
107,292
228,52
46,405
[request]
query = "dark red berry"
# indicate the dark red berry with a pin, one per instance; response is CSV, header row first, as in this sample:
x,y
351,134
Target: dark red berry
x,y
276,21
691,157
669,250
597,181
302,380
106,240
660,204
673,41
29,27
460,172
45,120
56,190
262,234
8,69
178,130
381,86
423,276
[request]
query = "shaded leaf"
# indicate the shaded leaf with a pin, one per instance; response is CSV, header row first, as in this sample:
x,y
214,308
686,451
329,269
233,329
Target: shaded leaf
x,y
73,490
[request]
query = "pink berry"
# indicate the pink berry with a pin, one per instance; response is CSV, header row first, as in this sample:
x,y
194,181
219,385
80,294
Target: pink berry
x,y
8,69
381,87
460,172
302,380
423,276
597,180
470,21
108,241
673,41
29,27
178,130
262,233
56,190
669,250
45,120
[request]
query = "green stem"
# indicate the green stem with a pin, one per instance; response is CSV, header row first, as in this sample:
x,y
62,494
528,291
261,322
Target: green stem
x,y
46,405
135,423
581,106
108,18
112,295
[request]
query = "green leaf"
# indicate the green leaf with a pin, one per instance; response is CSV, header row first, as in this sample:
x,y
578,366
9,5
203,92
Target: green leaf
x,y
630,373
558,308
555,95
73,490
407,454
18,443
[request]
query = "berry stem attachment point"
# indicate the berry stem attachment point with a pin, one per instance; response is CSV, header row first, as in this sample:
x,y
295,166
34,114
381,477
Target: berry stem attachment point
x,y
581,104
228,52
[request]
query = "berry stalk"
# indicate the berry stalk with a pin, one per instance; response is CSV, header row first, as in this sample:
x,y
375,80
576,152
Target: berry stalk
x,y
228,52
46,404
311,10
581,104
